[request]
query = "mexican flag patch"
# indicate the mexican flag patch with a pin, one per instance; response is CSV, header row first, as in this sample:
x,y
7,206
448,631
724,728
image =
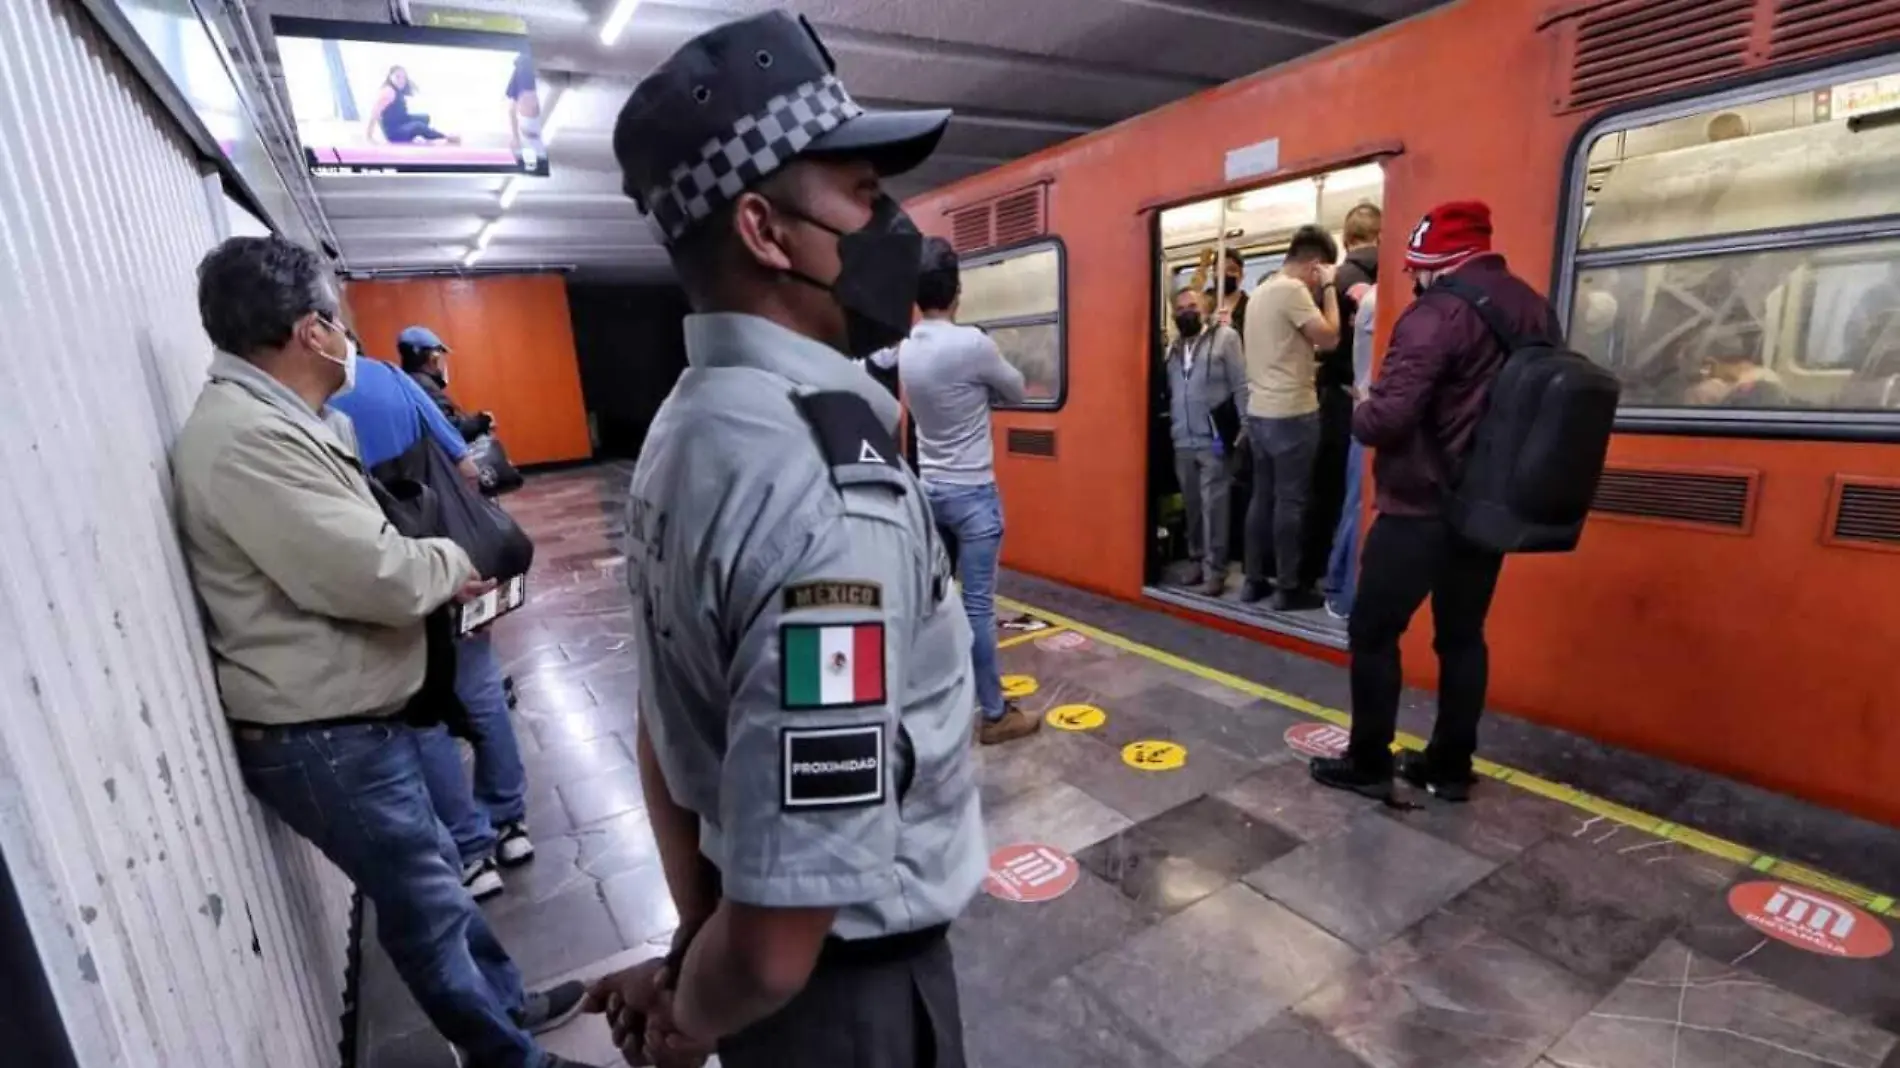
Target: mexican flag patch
x,y
832,666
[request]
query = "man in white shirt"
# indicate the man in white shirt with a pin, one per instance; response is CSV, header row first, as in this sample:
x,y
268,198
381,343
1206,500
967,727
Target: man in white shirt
x,y
950,375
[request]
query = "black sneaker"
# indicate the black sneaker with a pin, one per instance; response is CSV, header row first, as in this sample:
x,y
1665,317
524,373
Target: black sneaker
x,y
1255,590
1413,768
1341,773
545,1010
482,879
1296,601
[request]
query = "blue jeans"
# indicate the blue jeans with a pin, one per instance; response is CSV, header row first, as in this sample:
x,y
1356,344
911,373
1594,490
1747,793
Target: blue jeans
x,y
356,792
1342,568
971,517
501,783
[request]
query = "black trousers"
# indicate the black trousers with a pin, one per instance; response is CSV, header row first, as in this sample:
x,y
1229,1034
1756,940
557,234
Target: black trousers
x,y
1407,559
893,1006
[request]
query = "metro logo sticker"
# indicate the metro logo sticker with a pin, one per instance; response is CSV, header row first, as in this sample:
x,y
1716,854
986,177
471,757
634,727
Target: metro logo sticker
x,y
1317,739
1810,920
1031,872
1066,642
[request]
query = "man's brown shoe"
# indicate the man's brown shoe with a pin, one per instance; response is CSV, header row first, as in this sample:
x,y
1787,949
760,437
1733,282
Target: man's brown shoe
x,y
1013,724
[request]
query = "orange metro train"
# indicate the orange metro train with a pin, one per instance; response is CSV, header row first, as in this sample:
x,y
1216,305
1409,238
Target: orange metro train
x,y
1710,190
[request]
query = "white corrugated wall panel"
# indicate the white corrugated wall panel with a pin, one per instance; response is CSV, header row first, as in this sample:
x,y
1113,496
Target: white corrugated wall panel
x,y
179,926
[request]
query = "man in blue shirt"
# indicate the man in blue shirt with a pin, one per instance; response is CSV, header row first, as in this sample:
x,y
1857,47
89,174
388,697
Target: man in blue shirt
x,y
384,407
391,413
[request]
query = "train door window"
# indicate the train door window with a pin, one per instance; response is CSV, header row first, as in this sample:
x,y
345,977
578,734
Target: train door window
x,y
1255,227
1736,260
1016,296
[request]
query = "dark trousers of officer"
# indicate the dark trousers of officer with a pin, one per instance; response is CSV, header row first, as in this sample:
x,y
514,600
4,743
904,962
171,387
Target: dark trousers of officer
x,y
1408,558
885,1003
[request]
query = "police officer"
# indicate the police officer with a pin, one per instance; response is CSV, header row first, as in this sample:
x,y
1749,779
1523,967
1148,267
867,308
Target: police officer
x,y
806,702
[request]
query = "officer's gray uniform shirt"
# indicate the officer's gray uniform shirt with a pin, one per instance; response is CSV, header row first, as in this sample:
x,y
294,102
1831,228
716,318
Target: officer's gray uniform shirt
x,y
804,658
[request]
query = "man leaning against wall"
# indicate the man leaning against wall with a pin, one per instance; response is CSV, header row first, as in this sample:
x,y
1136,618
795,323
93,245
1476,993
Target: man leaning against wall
x,y
314,610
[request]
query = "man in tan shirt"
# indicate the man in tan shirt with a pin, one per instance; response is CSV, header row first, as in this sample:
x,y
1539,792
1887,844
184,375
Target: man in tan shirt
x,y
314,609
1293,315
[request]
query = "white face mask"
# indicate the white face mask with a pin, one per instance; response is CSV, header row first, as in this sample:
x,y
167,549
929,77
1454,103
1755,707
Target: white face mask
x,y
348,361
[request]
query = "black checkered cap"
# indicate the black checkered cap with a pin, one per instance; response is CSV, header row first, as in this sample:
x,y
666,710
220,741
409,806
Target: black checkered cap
x,y
758,145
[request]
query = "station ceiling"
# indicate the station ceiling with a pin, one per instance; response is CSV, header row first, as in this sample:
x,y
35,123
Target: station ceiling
x,y
1021,74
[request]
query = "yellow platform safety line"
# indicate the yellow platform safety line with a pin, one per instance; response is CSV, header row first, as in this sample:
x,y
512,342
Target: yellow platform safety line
x,y
1031,636
1689,837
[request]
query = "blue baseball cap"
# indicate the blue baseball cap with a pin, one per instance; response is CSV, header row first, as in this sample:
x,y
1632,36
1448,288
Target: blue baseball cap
x,y
420,339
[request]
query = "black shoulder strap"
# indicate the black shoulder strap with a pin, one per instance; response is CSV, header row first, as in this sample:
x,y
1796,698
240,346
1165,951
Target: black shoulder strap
x,y
1480,302
849,432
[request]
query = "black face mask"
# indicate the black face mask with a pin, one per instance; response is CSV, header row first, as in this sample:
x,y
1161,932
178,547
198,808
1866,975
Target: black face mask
x,y
878,266
1418,288
1188,322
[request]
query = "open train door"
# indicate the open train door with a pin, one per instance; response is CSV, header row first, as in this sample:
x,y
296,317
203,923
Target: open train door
x,y
1222,249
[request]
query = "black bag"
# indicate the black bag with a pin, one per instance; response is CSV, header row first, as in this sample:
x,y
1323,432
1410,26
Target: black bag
x,y
1225,418
411,507
1540,445
415,511
495,543
498,476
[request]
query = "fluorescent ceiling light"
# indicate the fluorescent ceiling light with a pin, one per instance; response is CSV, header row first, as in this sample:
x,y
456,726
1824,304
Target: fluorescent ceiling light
x,y
1191,216
473,255
510,191
486,235
1302,193
1355,177
617,21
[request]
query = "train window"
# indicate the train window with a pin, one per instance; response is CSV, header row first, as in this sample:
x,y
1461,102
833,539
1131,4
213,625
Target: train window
x,y
1740,258
1016,296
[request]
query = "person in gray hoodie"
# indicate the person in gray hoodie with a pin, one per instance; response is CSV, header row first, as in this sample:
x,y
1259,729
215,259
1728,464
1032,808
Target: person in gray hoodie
x,y
1207,392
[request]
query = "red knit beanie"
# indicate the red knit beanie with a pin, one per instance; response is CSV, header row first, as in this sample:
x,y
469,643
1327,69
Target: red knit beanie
x,y
1449,235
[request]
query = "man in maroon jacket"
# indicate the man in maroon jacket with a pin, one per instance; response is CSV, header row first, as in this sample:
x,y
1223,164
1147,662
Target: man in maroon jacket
x,y
1419,417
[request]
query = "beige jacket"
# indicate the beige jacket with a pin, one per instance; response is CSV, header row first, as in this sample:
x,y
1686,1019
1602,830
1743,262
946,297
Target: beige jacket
x,y
314,604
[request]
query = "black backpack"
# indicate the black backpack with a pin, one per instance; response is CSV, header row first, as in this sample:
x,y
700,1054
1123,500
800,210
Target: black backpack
x,y
1538,451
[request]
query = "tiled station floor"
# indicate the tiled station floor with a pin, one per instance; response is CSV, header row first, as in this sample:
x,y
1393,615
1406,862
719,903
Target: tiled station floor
x,y
1227,912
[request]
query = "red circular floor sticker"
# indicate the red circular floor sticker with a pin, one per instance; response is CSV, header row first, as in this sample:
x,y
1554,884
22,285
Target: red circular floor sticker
x,y
1317,739
1030,872
1066,642
1810,920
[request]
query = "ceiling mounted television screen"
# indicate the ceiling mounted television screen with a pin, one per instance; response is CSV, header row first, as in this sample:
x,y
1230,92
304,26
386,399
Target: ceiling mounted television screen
x,y
374,98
